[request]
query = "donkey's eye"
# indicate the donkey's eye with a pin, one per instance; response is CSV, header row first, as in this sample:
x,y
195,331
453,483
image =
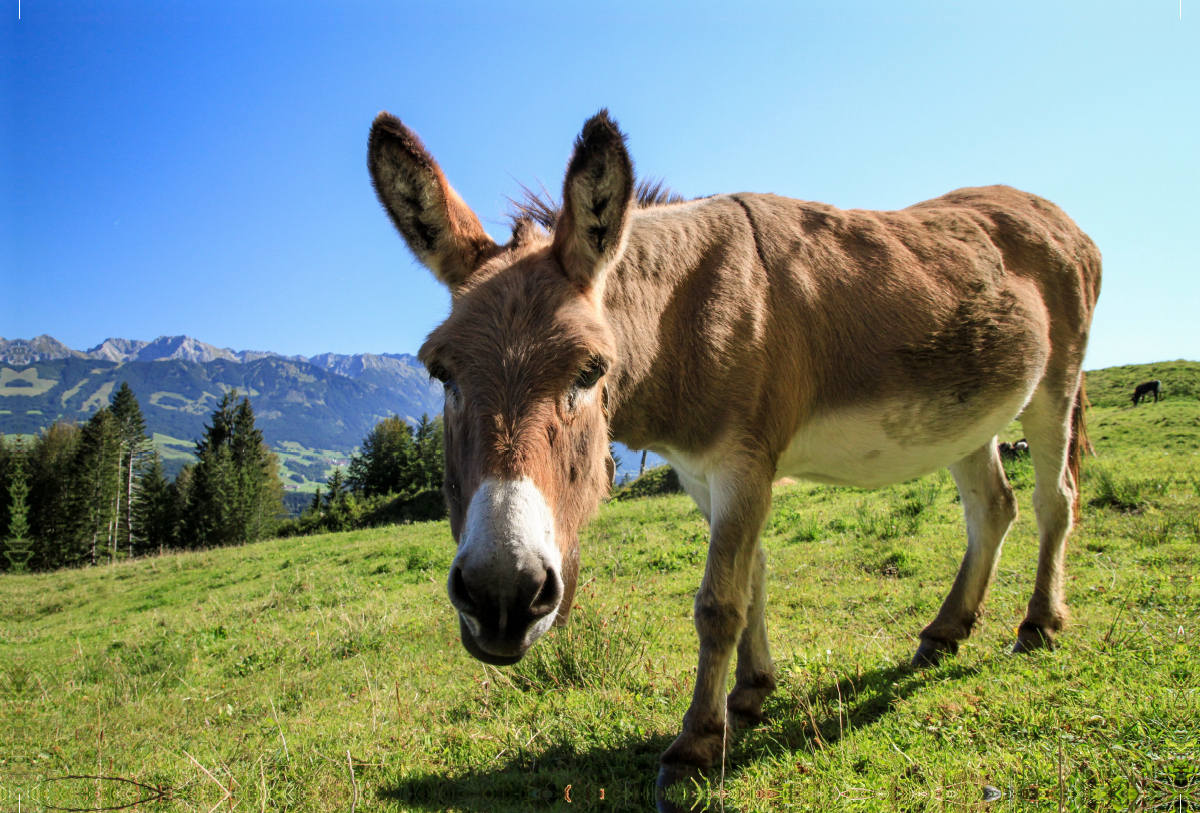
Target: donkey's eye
x,y
590,374
453,396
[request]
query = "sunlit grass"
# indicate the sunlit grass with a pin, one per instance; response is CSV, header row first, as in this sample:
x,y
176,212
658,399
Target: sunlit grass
x,y
267,672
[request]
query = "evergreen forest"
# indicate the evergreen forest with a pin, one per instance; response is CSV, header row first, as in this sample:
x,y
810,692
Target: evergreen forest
x,y
97,492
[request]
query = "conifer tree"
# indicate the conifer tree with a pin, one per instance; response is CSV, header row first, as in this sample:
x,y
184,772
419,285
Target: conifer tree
x,y
431,455
135,450
154,513
340,505
235,495
7,455
210,498
18,546
387,460
181,490
337,488
52,507
96,482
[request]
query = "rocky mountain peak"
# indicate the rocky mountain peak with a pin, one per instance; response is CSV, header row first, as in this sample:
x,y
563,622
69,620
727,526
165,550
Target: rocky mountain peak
x,y
116,349
31,351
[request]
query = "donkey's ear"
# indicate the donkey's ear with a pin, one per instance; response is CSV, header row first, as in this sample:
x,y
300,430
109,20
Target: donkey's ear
x,y
591,230
442,231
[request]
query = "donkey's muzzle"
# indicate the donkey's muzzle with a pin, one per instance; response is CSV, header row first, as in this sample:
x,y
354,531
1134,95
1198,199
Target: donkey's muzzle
x,y
498,626
506,581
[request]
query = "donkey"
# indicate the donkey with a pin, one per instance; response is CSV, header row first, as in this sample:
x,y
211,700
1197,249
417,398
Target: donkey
x,y
743,337
1145,390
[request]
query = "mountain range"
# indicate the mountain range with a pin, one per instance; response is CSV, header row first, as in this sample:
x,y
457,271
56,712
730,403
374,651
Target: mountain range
x,y
179,348
328,402
325,403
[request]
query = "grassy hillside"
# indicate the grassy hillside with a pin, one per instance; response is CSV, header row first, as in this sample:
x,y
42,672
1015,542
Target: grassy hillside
x,y
1113,386
324,673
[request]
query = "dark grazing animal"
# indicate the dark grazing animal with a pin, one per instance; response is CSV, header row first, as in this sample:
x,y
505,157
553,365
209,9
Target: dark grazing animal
x,y
1012,451
744,338
1146,389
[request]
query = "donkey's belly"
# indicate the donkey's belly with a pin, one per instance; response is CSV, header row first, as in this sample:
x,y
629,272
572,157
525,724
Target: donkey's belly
x,y
882,444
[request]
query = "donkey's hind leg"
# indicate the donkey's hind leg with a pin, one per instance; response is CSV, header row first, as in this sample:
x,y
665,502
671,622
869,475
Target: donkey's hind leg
x,y
989,508
1047,423
755,673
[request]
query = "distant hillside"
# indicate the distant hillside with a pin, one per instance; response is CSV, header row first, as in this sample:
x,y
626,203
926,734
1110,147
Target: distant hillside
x,y
1113,386
294,400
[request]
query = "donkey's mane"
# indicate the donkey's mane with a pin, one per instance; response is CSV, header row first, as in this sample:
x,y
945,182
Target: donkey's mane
x,y
541,208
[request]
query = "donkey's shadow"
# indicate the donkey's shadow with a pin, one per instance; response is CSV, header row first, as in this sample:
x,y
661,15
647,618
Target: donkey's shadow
x,y
622,774
834,704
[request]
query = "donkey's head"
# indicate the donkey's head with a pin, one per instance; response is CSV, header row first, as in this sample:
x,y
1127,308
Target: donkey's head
x,y
523,356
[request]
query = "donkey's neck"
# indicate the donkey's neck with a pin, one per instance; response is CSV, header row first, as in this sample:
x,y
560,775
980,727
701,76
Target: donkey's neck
x,y
687,303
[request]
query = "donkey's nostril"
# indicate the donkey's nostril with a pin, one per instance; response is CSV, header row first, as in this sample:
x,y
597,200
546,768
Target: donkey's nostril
x,y
460,596
547,598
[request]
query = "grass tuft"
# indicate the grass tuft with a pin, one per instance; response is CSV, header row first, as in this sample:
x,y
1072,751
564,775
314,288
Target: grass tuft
x,y
1114,488
599,649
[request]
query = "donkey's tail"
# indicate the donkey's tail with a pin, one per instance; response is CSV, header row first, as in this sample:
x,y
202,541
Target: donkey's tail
x,y
1080,445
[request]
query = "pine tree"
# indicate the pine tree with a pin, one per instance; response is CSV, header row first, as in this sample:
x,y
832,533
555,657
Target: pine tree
x,y
210,497
52,507
155,513
18,547
340,505
337,488
260,492
387,460
182,490
135,450
235,494
431,455
271,510
96,481
7,462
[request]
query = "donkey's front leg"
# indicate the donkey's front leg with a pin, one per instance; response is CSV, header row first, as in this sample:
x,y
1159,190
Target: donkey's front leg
x,y
740,502
754,678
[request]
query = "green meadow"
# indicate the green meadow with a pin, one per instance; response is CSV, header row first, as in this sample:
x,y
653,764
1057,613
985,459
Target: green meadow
x,y
325,673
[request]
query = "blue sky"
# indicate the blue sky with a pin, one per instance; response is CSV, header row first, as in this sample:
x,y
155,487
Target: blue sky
x,y
199,168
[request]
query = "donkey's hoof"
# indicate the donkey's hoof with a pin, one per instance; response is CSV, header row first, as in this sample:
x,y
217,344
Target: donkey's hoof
x,y
677,788
1032,636
745,702
741,718
932,650
693,750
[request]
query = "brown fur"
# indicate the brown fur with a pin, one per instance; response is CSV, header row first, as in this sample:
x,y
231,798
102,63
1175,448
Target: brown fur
x,y
744,334
516,372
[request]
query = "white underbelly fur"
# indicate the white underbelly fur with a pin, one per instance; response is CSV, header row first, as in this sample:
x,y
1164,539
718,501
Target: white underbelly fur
x,y
853,448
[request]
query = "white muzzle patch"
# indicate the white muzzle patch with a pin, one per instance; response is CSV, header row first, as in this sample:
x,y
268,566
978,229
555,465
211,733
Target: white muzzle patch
x,y
508,536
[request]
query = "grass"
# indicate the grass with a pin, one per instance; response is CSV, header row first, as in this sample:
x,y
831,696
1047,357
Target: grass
x,y
595,651
325,673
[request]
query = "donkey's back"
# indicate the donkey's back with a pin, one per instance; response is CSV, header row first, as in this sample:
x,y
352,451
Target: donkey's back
x,y
904,340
